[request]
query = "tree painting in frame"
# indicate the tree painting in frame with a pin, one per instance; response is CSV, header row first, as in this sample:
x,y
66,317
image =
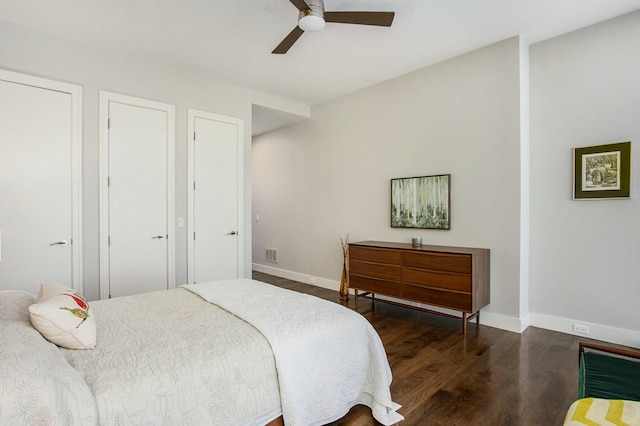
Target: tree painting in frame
x,y
421,202
602,171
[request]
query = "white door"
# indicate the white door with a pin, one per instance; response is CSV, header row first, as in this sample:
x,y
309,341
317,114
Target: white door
x,y
215,249
39,182
138,196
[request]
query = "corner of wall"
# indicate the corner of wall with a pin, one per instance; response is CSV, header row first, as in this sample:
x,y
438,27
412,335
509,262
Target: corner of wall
x,y
504,322
525,193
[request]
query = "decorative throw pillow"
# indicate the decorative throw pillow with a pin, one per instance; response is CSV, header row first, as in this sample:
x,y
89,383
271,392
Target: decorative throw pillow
x,y
50,290
64,318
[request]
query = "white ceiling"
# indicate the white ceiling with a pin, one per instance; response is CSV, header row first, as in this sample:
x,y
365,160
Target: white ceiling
x,y
232,40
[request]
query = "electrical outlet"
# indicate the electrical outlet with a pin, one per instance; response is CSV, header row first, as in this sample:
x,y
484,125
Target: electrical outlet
x,y
579,328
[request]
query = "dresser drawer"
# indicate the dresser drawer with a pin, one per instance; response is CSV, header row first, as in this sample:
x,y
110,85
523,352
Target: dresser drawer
x,y
449,262
375,270
373,285
443,280
445,299
375,255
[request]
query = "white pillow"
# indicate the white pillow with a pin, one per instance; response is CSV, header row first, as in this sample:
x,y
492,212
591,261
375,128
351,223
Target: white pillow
x,y
49,290
64,318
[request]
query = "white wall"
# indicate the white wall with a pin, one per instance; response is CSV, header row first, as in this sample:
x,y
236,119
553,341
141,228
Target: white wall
x,y
585,255
461,117
321,179
30,52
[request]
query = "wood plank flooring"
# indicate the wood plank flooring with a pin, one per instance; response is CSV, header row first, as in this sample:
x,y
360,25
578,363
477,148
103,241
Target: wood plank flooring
x,y
491,377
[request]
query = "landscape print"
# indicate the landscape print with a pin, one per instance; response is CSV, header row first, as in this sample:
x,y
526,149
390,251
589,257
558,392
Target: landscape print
x,y
421,202
601,171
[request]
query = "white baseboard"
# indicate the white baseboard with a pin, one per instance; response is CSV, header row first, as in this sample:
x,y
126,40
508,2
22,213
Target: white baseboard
x,y
296,276
503,322
601,332
517,325
489,319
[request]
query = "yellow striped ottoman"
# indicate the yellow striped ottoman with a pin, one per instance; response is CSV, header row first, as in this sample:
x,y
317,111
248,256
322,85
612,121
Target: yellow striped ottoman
x,y
601,412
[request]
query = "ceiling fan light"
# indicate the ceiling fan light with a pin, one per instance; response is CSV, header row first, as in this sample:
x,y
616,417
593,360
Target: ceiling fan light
x,y
311,23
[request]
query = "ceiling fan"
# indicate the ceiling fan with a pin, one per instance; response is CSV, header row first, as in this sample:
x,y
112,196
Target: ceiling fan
x,y
312,17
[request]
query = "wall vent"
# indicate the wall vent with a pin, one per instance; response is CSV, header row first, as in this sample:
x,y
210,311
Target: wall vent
x,y
271,255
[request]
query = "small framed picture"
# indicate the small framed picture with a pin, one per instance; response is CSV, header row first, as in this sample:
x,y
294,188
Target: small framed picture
x,y
602,171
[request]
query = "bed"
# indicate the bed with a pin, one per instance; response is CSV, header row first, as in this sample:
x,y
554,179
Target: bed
x,y
235,352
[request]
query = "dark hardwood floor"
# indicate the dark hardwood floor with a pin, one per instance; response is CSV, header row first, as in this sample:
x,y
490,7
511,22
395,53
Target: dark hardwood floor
x,y
491,377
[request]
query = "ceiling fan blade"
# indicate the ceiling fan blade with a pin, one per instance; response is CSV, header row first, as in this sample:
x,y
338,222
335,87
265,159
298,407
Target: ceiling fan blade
x,y
288,41
300,4
382,19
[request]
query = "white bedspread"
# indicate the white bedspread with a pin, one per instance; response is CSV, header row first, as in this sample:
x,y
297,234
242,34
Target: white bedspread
x,y
37,385
329,358
170,358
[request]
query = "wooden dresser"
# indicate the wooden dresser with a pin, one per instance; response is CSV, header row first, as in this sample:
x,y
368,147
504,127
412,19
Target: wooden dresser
x,y
455,278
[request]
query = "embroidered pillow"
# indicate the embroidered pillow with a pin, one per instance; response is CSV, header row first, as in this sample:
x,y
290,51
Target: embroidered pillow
x,y
64,318
50,290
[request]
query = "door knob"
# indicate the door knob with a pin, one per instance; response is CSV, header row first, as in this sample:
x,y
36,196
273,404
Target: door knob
x,y
232,233
158,237
60,243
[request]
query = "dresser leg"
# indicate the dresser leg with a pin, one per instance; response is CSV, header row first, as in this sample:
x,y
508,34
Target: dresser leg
x,y
464,323
355,291
466,319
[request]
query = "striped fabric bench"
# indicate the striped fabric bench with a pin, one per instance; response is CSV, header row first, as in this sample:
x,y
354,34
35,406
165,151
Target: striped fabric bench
x,y
603,412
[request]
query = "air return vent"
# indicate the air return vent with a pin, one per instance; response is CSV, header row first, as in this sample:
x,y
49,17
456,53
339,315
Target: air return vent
x,y
271,255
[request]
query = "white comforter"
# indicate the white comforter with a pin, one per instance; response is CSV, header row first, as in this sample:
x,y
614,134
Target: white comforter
x,y
170,358
37,385
328,358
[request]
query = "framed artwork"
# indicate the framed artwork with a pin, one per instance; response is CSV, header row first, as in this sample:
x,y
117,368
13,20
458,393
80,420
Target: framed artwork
x,y
421,202
602,171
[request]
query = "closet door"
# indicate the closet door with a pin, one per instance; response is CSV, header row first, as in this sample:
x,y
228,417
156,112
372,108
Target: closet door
x,y
215,198
39,182
138,197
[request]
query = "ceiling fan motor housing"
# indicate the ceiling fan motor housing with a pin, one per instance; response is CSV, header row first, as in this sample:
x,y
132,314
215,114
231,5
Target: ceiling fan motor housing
x,y
312,19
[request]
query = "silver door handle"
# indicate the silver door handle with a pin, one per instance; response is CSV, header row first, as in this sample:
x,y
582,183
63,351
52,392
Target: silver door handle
x,y
232,233
60,243
158,237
